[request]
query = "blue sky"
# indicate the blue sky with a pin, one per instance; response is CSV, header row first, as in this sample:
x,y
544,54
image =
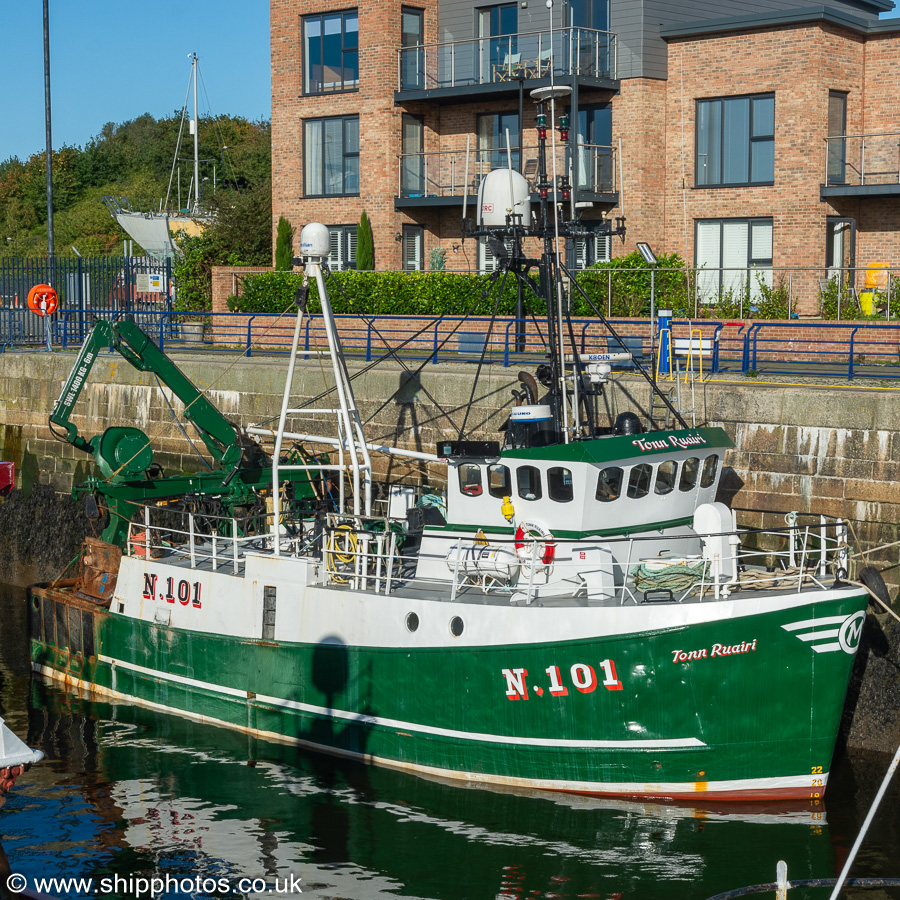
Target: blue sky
x,y
113,61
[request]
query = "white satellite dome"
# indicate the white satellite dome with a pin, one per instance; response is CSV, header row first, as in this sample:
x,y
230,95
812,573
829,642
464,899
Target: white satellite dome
x,y
502,191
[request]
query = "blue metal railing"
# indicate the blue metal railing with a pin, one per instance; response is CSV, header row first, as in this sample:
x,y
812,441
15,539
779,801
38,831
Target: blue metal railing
x,y
851,350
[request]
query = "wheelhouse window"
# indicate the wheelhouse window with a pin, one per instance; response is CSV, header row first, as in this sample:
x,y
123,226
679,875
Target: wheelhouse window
x,y
528,481
736,141
470,479
331,52
639,481
331,156
559,484
710,467
665,477
609,484
689,472
499,483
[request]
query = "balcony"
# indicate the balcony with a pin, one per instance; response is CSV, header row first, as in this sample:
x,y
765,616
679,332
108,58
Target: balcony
x,y
441,179
493,66
862,165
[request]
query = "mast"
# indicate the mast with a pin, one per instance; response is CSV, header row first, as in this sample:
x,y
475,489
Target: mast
x,y
196,207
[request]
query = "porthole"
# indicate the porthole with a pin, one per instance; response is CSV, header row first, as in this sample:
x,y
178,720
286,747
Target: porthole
x,y
456,626
412,622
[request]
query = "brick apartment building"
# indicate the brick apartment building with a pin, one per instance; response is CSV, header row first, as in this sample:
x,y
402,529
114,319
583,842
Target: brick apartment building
x,y
756,135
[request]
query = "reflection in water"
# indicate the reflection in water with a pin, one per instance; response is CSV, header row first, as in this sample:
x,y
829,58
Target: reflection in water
x,y
128,792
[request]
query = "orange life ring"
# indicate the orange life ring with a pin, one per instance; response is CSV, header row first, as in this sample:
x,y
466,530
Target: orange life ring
x,y
43,300
529,532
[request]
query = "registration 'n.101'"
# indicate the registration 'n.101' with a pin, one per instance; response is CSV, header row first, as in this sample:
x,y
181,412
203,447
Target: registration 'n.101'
x,y
186,592
582,676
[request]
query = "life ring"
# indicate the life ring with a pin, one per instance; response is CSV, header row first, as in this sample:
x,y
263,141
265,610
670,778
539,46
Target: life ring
x,y
43,300
472,490
529,532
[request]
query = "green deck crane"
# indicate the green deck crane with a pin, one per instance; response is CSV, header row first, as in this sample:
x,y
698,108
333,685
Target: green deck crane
x,y
124,455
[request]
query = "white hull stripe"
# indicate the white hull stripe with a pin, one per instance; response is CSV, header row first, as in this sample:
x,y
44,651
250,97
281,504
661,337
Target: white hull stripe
x,y
814,623
665,788
638,744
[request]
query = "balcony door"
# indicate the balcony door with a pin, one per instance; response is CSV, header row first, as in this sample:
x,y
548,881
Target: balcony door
x,y
492,129
412,53
412,164
589,50
499,52
837,128
594,168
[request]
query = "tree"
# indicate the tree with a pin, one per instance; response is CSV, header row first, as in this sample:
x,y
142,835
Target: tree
x,y
365,245
284,246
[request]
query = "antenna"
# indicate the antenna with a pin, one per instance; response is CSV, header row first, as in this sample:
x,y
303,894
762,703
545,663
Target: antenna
x,y
466,186
512,202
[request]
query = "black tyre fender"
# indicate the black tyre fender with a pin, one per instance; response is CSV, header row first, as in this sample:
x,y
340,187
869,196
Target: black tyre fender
x,y
871,578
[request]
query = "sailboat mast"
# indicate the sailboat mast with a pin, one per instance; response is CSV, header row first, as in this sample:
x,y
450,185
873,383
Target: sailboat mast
x,y
196,207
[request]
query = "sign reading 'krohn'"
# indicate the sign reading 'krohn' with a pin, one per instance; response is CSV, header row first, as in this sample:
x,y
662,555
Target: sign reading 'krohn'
x,y
676,441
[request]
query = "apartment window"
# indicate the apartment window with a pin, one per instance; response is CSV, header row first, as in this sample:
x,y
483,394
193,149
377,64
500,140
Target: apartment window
x,y
587,250
412,156
487,261
331,51
412,54
837,128
492,129
331,154
342,250
736,141
413,241
733,255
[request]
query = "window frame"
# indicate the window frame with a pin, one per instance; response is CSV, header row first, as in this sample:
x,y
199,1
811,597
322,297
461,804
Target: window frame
x,y
760,264
635,489
553,485
346,235
343,13
700,170
412,235
685,469
507,478
470,486
345,156
618,483
539,492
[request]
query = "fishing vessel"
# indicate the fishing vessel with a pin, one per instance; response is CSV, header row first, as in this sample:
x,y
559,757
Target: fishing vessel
x,y
576,611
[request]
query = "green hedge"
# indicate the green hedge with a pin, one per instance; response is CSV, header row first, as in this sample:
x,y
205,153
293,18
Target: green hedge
x,y
378,293
447,293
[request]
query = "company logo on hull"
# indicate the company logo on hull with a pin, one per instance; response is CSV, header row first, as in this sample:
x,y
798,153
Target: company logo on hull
x,y
820,633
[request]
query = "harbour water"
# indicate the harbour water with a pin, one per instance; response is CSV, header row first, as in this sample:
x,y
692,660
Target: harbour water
x,y
126,794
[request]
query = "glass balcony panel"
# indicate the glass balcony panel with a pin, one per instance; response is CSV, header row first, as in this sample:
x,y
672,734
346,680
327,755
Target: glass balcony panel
x,y
508,57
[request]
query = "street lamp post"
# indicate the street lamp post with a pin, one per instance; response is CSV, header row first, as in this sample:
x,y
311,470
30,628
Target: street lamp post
x,y
652,261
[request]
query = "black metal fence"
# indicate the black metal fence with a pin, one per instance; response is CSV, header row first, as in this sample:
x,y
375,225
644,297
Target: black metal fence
x,y
89,288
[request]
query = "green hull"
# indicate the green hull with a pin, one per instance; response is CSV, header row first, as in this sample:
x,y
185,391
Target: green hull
x,y
732,708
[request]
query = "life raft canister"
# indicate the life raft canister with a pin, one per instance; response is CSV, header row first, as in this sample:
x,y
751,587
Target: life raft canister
x,y
528,532
43,300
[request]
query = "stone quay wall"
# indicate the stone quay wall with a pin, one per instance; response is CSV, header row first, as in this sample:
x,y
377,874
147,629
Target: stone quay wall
x,y
832,449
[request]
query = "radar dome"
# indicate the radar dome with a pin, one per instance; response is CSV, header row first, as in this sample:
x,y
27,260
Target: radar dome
x,y
502,192
314,240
